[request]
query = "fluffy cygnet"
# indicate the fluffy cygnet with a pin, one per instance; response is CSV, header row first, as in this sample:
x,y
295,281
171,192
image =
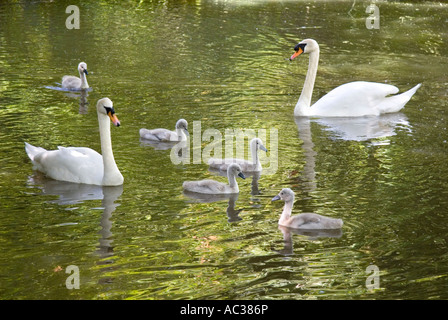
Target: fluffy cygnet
x,y
303,220
216,187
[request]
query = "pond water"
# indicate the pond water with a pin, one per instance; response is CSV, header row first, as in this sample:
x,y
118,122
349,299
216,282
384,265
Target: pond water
x,y
223,66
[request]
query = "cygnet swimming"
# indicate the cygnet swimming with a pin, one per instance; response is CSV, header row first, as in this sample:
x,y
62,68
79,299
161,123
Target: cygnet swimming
x,y
161,134
215,187
75,83
304,220
246,166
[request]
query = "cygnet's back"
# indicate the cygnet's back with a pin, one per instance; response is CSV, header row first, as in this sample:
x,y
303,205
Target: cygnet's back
x,y
161,134
215,187
314,221
246,165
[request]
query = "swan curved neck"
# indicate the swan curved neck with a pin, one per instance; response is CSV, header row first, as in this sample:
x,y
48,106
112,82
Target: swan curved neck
x,y
84,84
111,175
232,182
287,210
181,136
304,102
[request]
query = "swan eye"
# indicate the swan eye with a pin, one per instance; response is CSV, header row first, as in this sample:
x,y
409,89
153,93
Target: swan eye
x,y
109,110
300,46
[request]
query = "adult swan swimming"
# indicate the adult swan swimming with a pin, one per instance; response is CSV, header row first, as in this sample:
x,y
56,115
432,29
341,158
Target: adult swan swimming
x,y
82,165
353,99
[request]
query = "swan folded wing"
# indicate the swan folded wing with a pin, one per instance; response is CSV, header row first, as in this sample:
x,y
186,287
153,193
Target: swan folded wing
x,y
205,186
73,164
315,221
71,82
159,134
397,102
306,219
359,98
223,164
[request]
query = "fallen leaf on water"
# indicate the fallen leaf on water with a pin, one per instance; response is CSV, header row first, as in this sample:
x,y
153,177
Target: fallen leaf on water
x,y
57,269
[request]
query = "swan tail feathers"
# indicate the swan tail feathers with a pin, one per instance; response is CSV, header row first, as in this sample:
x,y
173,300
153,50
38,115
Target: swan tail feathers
x,y
396,103
411,91
32,151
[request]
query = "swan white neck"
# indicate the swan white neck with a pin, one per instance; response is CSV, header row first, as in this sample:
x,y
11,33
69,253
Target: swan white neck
x,y
303,105
111,175
287,210
84,84
232,182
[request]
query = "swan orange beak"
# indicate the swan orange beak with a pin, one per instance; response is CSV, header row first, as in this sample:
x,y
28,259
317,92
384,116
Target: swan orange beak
x,y
113,118
296,54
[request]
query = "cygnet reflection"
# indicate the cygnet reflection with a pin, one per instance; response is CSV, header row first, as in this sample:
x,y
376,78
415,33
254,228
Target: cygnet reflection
x,y
232,213
310,234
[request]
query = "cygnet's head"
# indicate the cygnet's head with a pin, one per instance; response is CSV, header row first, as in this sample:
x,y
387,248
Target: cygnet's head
x,y
305,46
106,107
182,124
82,68
235,170
259,144
286,195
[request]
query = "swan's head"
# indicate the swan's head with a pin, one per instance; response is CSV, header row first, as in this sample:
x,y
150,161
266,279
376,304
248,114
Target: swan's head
x,y
235,170
106,107
182,124
82,68
305,46
258,144
286,195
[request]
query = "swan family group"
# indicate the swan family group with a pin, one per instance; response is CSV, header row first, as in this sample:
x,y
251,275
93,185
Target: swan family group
x,y
84,165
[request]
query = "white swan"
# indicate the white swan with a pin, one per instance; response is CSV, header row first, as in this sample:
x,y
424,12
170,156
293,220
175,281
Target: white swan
x,y
304,220
75,83
82,165
161,134
246,166
216,187
352,99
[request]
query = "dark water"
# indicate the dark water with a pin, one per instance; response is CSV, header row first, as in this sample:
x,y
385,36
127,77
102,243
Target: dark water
x,y
223,65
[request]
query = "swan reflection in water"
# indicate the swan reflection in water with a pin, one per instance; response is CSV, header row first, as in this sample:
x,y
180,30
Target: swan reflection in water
x,y
375,129
232,213
310,234
75,94
74,193
372,128
160,145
